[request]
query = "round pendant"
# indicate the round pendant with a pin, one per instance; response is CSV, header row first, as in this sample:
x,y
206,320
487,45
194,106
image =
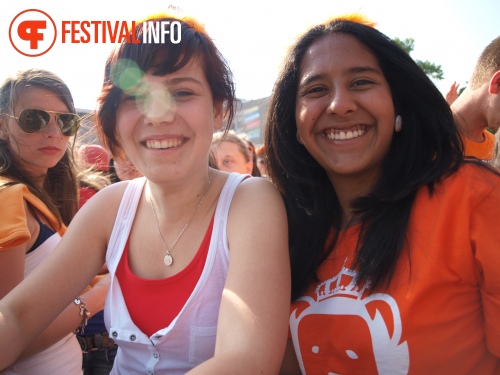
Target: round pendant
x,y
168,260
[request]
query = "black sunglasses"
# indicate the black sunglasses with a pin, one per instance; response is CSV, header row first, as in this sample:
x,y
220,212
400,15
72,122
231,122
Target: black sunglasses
x,y
34,120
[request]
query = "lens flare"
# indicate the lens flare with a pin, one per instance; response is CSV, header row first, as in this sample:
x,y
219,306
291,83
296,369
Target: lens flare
x,y
158,103
126,74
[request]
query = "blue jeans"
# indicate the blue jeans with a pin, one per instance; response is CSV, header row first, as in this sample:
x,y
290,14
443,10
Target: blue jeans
x,y
99,362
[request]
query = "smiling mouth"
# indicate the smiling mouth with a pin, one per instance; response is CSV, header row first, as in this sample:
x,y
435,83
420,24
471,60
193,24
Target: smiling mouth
x,y
340,135
163,144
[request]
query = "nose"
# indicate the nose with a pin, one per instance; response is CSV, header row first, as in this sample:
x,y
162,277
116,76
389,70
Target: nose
x,y
52,129
160,107
341,102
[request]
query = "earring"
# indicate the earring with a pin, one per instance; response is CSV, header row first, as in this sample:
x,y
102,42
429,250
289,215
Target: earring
x,y
298,138
398,125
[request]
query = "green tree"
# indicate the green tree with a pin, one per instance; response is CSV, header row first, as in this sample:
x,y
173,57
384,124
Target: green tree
x,y
432,70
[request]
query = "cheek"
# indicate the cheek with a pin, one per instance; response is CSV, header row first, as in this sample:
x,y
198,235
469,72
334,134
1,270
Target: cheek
x,y
300,114
383,111
306,113
126,116
19,140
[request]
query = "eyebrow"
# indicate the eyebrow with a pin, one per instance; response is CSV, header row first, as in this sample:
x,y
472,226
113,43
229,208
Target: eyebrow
x,y
355,69
178,80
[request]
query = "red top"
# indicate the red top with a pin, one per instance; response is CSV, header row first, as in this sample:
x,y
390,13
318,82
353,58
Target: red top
x,y
153,304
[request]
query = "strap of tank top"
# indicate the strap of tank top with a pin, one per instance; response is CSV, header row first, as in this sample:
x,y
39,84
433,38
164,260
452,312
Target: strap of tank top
x,y
124,219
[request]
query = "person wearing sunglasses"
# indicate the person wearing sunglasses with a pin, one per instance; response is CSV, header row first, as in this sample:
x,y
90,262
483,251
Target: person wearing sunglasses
x,y
33,120
38,199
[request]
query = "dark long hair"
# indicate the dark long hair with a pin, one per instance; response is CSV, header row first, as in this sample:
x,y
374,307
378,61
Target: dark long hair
x,y
428,148
162,58
59,192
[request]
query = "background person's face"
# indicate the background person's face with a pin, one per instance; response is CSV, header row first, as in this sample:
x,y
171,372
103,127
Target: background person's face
x,y
261,164
125,170
231,159
37,152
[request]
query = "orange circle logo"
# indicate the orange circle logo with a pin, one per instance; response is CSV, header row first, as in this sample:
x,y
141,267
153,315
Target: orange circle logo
x,y
32,33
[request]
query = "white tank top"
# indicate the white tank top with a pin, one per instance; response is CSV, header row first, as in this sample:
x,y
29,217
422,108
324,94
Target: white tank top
x,y
65,356
190,339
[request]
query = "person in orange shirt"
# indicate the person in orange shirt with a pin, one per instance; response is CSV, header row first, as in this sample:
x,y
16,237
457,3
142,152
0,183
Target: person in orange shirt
x,y
478,107
496,159
38,199
393,256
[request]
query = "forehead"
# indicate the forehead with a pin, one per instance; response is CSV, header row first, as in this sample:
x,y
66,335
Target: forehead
x,y
39,98
336,51
228,147
192,69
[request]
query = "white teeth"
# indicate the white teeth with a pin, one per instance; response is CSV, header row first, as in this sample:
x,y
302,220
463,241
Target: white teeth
x,y
163,144
343,135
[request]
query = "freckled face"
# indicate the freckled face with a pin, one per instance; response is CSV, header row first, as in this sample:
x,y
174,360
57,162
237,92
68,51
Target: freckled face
x,y
37,152
344,109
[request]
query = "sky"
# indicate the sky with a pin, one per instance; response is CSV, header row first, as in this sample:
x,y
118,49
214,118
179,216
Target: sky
x,y
253,36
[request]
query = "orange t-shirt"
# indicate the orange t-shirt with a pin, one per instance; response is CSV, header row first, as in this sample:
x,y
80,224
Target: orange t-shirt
x,y
13,223
440,315
483,150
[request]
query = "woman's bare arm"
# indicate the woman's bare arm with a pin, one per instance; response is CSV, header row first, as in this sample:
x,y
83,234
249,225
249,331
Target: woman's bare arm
x,y
30,307
253,317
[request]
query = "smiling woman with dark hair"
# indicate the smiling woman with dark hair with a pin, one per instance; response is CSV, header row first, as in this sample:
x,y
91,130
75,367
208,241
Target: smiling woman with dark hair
x,y
394,260
190,282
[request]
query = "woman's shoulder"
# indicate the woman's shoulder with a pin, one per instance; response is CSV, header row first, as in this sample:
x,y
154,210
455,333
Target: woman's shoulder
x,y
13,221
477,175
256,199
112,195
98,215
6,182
13,194
473,180
253,188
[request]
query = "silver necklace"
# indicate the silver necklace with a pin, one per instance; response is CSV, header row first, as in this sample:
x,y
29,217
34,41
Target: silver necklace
x,y
168,259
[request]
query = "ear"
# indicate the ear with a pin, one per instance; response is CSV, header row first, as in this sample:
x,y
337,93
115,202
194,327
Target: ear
x,y
495,83
218,115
